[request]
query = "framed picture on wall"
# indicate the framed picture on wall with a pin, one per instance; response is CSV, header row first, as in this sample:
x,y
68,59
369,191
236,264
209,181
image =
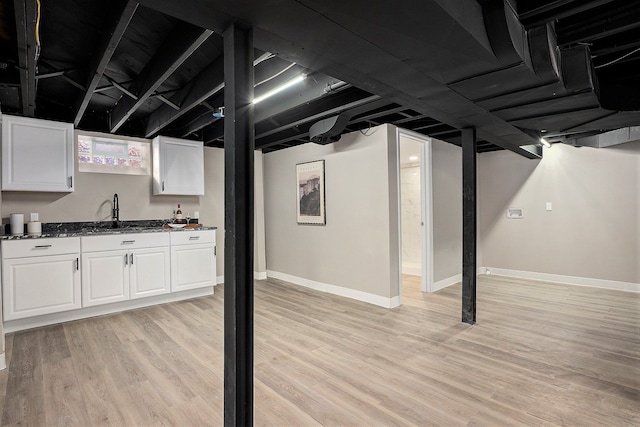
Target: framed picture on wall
x,y
310,193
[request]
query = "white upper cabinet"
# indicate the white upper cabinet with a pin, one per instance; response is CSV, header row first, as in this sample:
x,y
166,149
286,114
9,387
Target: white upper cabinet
x,y
37,155
178,166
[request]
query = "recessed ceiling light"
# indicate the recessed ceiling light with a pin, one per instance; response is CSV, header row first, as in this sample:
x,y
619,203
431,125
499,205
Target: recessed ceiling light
x,y
413,158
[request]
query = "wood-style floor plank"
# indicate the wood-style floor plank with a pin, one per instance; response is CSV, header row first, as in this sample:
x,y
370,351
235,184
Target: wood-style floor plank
x,y
541,354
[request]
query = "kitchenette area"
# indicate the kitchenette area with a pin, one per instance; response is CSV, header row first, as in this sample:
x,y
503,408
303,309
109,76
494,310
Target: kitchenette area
x,y
96,223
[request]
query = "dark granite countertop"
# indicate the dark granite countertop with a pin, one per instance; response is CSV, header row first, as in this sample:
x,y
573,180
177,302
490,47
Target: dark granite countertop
x,y
76,229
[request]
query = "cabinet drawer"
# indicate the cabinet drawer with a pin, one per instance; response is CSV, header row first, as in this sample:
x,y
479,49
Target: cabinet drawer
x,y
40,247
124,241
185,237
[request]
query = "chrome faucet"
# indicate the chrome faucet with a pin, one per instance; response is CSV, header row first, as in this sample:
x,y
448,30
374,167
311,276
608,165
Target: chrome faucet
x,y
115,215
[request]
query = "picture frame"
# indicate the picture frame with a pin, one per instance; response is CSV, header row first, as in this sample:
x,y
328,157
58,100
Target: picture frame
x,y
310,193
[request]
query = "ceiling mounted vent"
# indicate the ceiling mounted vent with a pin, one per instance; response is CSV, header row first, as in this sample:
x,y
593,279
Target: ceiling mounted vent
x,y
326,131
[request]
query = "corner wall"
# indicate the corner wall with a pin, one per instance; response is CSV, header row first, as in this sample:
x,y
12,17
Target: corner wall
x,y
350,255
592,234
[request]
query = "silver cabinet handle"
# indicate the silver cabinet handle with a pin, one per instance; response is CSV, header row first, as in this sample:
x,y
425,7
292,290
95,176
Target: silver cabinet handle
x,y
194,237
128,242
77,263
70,182
43,246
126,259
162,185
131,258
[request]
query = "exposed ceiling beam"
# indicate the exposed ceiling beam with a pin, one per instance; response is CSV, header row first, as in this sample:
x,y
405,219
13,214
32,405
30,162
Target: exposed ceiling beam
x,y
205,85
180,44
121,88
398,80
123,13
72,82
168,102
49,75
628,45
264,71
587,32
557,10
25,14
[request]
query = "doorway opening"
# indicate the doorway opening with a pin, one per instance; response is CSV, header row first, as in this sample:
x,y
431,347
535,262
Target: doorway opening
x,y
415,228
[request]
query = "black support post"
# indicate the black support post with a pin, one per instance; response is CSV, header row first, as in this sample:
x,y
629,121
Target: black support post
x,y
238,220
469,225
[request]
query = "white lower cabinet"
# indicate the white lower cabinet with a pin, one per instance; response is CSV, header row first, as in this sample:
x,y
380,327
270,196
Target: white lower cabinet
x,y
51,275
149,272
193,260
111,273
40,276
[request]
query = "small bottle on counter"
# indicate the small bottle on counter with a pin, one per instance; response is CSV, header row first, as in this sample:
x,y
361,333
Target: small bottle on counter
x,y
179,219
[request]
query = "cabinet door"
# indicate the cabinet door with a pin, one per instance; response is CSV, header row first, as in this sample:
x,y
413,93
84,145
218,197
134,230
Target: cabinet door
x,y
40,285
192,266
105,277
37,155
149,272
178,166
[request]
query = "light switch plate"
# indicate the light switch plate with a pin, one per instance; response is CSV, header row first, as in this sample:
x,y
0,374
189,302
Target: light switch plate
x,y
34,216
549,206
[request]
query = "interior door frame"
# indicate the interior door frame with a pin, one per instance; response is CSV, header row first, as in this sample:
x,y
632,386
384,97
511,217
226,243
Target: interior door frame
x,y
426,205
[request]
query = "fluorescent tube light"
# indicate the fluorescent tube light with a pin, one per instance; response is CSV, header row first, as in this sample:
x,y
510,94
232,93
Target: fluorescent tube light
x,y
545,142
413,158
279,89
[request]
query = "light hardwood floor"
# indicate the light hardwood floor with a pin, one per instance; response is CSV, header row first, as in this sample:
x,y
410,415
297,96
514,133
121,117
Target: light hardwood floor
x,y
540,354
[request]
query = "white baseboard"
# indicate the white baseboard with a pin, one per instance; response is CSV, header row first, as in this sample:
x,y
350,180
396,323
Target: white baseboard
x,y
83,313
219,280
570,280
441,284
337,290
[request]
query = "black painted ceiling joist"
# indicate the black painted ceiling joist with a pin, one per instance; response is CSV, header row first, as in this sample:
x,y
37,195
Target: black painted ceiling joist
x,y
600,28
206,84
180,44
542,13
123,12
25,12
264,70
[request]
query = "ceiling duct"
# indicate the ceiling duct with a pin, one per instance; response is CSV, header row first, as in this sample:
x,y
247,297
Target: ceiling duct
x,y
329,130
607,139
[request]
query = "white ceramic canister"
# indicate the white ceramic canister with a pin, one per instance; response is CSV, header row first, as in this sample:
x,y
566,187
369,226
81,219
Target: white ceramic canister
x,y
17,224
34,228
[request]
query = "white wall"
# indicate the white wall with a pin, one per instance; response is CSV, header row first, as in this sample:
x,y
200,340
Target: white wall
x,y
447,210
593,230
411,214
352,251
